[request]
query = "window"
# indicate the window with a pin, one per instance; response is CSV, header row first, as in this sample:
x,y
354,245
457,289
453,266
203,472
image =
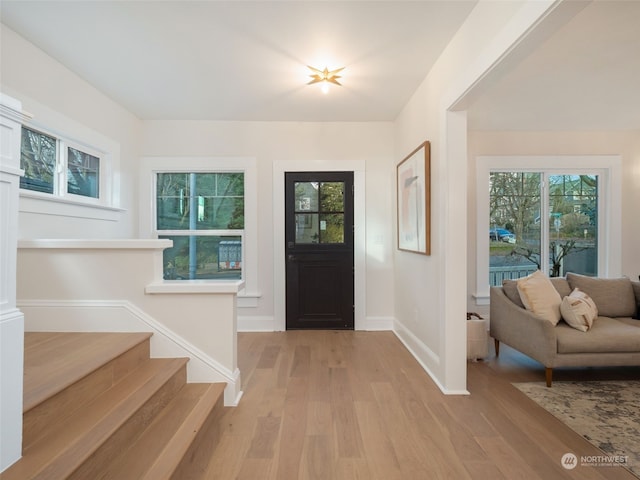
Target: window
x,y
38,159
556,214
226,218
520,242
83,173
56,166
203,213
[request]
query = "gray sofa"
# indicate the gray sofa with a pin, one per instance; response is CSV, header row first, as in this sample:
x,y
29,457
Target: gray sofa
x,y
613,340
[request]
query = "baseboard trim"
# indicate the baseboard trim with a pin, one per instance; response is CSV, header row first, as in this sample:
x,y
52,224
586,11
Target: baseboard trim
x,y
256,324
125,317
268,324
423,355
375,324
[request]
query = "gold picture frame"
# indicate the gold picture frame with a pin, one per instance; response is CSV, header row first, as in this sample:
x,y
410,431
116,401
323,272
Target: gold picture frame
x,y
413,186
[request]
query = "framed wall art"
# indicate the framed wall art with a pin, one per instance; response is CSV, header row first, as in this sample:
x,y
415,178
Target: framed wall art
x,y
413,177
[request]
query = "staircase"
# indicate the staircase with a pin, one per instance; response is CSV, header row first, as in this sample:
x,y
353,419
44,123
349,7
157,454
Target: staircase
x,y
97,407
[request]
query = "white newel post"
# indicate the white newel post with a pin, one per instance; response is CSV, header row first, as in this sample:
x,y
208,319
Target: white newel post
x,y
11,318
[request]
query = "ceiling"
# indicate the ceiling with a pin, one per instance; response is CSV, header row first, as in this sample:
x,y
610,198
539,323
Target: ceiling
x,y
242,60
584,77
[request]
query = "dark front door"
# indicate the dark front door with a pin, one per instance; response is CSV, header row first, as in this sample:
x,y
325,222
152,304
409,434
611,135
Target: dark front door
x,y
319,249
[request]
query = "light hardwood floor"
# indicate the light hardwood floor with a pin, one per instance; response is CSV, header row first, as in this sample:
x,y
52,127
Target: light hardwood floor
x,y
356,405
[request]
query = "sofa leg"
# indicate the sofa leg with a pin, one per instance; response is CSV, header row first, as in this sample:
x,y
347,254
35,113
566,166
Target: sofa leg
x,y
496,344
548,373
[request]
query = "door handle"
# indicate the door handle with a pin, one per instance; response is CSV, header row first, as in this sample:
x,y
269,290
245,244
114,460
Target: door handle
x,y
291,258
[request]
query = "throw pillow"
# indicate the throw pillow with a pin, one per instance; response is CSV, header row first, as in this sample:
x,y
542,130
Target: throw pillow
x,y
579,310
540,297
613,296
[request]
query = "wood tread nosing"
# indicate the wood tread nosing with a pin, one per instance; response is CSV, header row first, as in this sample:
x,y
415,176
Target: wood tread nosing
x,y
169,460
96,406
170,436
59,454
49,370
59,408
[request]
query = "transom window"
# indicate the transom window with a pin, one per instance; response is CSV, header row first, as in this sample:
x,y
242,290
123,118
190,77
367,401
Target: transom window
x,y
203,213
57,166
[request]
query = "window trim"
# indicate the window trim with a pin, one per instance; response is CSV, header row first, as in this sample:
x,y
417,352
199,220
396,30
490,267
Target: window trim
x,y
150,166
50,122
609,169
61,176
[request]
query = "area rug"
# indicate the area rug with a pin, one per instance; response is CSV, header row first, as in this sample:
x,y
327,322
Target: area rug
x,y
607,414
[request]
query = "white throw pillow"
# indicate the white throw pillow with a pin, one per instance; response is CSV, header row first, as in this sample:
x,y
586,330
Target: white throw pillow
x,y
540,297
579,310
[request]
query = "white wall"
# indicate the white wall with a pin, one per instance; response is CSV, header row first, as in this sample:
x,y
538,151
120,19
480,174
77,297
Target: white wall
x,y
430,291
282,142
61,100
625,144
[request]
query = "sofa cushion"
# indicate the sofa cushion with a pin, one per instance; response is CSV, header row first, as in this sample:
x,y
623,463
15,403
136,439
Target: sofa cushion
x,y
636,290
578,310
613,296
607,335
629,321
562,286
510,288
540,297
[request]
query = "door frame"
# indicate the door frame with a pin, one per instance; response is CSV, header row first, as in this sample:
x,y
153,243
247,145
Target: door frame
x,y
359,238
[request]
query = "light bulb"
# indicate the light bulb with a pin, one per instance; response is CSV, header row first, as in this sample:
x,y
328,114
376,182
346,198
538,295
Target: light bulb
x,y
325,88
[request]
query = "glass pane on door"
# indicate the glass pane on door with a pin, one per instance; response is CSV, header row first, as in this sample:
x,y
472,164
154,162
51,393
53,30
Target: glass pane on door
x,y
306,196
332,228
573,224
319,216
332,212
307,226
332,196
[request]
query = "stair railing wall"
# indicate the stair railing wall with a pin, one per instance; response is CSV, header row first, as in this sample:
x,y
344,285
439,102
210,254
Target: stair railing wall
x,y
117,286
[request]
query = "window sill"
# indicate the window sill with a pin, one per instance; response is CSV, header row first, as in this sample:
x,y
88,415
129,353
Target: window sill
x,y
481,299
95,244
194,286
51,205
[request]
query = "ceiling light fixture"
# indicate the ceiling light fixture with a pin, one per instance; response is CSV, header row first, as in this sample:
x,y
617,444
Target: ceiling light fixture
x,y
325,77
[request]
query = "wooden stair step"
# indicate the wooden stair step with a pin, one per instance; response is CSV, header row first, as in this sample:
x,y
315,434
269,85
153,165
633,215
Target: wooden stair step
x,y
164,445
82,445
63,402
48,369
